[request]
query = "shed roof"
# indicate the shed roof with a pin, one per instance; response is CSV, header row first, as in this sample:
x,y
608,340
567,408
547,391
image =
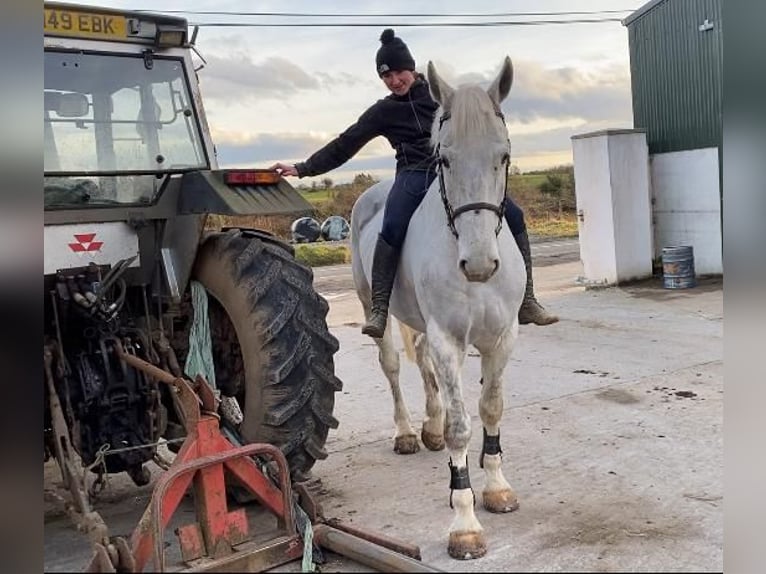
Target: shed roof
x,y
609,132
630,18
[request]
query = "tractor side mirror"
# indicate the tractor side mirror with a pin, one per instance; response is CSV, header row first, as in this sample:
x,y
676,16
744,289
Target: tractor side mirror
x,y
67,105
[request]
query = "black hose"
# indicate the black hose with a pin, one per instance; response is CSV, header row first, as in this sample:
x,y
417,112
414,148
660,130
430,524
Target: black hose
x,y
113,275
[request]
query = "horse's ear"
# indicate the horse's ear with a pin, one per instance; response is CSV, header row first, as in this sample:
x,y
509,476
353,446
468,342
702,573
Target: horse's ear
x,y
440,90
499,89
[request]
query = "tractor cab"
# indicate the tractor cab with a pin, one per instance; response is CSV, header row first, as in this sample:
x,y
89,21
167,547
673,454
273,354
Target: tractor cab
x,y
122,108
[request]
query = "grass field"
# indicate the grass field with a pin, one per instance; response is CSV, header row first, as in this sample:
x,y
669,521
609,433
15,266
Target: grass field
x,y
319,196
528,179
318,254
566,227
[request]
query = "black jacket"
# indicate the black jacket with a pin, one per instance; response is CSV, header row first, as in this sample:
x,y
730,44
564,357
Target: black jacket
x,y
405,121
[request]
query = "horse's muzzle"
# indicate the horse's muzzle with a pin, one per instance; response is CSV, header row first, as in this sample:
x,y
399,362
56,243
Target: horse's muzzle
x,y
481,273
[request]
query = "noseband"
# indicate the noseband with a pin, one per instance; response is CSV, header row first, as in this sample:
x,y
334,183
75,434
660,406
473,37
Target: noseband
x,y
452,213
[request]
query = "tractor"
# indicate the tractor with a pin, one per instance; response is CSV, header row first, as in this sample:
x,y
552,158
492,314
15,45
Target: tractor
x,y
132,267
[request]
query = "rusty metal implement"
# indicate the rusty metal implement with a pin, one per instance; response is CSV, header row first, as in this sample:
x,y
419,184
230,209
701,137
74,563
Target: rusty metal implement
x,y
219,539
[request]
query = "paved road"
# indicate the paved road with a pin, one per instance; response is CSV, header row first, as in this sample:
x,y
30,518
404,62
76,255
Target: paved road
x,y
553,251
335,279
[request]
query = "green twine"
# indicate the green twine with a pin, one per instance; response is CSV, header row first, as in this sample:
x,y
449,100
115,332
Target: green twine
x,y
199,361
307,565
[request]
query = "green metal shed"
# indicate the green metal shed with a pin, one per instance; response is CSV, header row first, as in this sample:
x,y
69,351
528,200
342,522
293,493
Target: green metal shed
x,y
676,66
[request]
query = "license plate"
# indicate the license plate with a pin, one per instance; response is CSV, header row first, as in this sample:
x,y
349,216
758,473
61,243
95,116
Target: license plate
x,y
84,24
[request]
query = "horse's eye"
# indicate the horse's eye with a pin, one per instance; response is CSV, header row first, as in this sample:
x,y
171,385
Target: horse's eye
x,y
506,158
444,162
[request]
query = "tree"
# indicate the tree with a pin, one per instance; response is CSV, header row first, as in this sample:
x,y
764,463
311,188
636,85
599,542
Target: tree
x,y
514,170
553,186
326,182
363,180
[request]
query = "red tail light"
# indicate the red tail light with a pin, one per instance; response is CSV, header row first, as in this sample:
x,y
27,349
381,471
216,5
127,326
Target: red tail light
x,y
250,177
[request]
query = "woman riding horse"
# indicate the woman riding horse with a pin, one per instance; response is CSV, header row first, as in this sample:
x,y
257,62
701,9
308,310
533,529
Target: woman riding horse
x,y
404,118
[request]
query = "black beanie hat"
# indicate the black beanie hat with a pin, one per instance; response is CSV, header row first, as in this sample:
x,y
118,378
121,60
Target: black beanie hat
x,y
393,54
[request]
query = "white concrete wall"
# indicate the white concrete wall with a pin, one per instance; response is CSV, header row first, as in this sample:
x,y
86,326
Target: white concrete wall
x,y
687,206
631,204
595,223
612,187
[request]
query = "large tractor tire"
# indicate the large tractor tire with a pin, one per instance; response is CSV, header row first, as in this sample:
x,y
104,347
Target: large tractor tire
x,y
271,345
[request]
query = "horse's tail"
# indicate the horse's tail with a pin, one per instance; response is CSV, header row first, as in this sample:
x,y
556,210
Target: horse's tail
x,y
408,338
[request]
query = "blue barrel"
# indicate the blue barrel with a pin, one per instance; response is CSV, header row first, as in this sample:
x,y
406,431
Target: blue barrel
x,y
678,267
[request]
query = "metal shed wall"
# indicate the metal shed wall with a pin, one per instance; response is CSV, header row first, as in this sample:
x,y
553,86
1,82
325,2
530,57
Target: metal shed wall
x,y
676,72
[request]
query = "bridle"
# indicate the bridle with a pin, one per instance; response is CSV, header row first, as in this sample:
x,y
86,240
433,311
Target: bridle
x,y
453,213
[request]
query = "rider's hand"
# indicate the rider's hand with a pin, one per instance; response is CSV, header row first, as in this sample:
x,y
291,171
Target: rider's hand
x,y
284,169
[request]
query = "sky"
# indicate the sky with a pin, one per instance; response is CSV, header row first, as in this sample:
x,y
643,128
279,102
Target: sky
x,y
280,93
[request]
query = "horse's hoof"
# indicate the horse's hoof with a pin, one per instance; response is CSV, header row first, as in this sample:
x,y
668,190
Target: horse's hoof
x,y
467,545
406,444
432,441
500,500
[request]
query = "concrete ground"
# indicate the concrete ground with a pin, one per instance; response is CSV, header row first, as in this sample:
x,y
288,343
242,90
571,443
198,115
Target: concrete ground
x,y
612,437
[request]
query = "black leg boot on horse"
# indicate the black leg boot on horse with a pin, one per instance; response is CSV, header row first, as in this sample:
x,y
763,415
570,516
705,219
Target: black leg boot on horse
x,y
384,265
531,311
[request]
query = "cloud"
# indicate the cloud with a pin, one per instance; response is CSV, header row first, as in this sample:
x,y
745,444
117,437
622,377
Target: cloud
x,y
264,150
552,140
242,148
237,77
601,93
343,78
545,109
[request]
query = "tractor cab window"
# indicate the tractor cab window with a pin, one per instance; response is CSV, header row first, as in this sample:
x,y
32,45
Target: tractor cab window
x,y
114,125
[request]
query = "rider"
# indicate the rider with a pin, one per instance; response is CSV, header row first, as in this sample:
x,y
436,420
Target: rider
x,y
404,118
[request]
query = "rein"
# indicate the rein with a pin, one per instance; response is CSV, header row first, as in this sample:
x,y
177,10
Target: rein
x,y
452,213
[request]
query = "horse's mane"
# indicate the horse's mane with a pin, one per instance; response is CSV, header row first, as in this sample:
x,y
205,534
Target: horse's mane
x,y
472,115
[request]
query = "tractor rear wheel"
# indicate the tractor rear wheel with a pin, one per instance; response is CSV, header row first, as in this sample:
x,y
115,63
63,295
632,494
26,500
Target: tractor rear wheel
x,y
271,345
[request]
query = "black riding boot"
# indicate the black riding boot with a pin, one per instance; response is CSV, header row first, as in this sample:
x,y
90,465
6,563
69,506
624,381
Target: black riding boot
x,y
531,311
384,264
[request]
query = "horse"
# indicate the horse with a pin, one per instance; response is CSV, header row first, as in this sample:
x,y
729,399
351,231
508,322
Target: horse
x,y
460,283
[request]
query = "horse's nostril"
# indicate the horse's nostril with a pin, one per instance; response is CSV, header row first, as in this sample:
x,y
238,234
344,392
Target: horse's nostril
x,y
497,266
463,263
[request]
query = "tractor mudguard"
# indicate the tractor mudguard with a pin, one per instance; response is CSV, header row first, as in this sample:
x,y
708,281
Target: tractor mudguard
x,y
205,191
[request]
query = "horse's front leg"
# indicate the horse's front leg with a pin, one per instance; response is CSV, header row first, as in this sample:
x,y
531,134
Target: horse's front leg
x,y
497,496
466,536
432,433
405,441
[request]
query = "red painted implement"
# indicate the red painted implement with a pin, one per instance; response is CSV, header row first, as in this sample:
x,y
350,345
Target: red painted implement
x,y
219,540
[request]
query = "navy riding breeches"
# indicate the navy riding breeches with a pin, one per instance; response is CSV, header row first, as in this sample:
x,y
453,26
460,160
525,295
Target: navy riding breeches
x,y
408,191
515,217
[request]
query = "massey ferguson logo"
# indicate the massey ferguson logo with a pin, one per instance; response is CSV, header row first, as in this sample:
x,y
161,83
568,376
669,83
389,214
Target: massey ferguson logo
x,y
85,242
